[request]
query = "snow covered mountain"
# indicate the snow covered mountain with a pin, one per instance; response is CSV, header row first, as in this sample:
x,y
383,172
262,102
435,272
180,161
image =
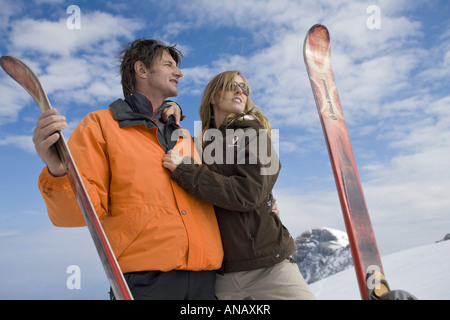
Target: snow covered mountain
x,y
324,258
322,252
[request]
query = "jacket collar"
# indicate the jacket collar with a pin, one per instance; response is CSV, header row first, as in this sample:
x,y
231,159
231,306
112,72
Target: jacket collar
x,y
139,103
241,122
136,109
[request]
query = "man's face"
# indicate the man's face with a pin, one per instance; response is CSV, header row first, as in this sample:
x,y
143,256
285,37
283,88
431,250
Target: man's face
x,y
164,75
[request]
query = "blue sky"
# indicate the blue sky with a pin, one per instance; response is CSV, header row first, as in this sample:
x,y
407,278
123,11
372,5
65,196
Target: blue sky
x,y
393,82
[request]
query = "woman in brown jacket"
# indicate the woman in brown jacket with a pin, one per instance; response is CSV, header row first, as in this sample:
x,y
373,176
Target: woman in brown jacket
x,y
240,172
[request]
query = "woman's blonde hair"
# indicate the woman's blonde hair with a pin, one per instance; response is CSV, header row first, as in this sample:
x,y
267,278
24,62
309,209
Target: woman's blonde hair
x,y
217,87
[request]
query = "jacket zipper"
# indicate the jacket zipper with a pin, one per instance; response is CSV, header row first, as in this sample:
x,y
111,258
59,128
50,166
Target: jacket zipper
x,y
252,239
250,229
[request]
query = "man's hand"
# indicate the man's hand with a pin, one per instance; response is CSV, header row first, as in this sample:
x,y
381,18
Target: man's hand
x,y
45,135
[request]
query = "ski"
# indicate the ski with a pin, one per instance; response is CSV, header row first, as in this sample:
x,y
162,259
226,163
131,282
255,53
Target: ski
x,y
368,266
25,76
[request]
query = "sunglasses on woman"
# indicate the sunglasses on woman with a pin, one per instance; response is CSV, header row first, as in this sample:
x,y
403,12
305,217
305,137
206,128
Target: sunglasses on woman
x,y
245,89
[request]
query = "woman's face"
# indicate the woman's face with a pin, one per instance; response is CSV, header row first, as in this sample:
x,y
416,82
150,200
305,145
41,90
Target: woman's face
x,y
232,101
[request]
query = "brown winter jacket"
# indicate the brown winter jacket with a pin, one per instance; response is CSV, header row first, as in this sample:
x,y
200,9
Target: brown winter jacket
x,y
253,236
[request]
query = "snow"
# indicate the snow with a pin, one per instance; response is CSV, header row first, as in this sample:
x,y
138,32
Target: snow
x,y
341,236
421,271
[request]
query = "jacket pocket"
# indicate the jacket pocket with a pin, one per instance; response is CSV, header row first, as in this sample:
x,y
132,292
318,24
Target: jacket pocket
x,y
125,223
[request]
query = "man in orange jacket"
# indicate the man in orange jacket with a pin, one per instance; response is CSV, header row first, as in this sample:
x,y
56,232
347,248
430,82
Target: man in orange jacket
x,y
166,241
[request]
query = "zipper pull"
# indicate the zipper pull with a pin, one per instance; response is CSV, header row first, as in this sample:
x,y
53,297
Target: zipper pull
x,y
253,242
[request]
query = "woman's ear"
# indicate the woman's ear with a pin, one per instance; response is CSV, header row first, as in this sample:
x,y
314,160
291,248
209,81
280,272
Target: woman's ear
x,y
213,101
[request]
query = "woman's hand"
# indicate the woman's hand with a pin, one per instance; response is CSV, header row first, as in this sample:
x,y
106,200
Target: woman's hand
x,y
174,110
171,160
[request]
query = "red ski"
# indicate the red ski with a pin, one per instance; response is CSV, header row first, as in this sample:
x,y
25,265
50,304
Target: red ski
x,y
23,74
369,270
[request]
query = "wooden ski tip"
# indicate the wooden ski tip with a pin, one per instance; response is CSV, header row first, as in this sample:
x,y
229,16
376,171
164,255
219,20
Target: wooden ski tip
x,y
4,58
319,31
316,47
5,62
9,64
7,58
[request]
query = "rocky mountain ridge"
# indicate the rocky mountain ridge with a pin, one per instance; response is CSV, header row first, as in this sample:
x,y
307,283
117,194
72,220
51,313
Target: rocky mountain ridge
x,y
322,252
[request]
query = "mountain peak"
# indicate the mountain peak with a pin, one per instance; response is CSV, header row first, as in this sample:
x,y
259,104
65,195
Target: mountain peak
x,y
321,252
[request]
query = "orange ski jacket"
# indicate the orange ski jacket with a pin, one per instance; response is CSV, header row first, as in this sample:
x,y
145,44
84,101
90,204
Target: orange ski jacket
x,y
150,221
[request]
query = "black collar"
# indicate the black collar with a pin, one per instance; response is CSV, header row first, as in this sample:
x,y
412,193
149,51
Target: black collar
x,y
136,109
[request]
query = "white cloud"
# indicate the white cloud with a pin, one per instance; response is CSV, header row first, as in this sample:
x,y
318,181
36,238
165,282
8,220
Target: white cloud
x,y
370,65
301,209
99,32
195,79
65,73
22,142
89,80
14,99
74,66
